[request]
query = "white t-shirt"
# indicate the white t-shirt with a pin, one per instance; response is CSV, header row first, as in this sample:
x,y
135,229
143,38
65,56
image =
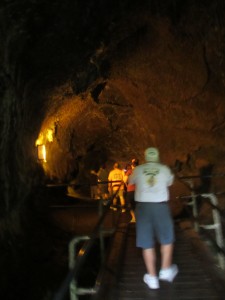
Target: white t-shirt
x,y
151,182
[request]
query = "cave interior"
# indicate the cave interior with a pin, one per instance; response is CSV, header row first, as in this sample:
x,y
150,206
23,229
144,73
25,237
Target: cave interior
x,y
87,83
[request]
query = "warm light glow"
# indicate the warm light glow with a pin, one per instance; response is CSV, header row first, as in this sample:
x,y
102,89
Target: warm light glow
x,y
41,152
40,140
46,136
81,252
49,135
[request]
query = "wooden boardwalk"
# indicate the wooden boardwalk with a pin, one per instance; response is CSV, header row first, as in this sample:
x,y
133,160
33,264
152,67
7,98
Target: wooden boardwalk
x,y
198,279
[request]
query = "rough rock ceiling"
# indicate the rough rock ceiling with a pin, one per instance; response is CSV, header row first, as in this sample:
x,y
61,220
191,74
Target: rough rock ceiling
x,y
105,80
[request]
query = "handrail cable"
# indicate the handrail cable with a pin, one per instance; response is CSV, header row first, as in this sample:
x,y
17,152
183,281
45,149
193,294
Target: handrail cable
x,y
201,176
82,254
78,185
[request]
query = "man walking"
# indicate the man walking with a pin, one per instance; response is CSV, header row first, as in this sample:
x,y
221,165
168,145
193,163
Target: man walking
x,y
153,217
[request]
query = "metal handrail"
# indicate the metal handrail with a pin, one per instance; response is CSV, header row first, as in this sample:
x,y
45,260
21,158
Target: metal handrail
x,y
217,226
74,267
217,214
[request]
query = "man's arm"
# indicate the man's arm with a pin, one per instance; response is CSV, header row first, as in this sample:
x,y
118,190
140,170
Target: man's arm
x,y
170,177
109,184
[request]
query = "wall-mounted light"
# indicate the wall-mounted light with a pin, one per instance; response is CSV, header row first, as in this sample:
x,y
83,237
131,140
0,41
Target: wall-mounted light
x,y
41,152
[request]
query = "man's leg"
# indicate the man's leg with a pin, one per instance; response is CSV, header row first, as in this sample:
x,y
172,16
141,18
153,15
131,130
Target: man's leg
x,y
131,205
132,216
122,200
166,255
149,256
168,270
115,200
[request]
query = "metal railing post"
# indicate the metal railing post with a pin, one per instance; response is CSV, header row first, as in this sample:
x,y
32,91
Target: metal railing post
x,y
217,226
72,254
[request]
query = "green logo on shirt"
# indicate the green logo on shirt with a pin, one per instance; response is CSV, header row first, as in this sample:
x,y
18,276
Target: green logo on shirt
x,y
150,174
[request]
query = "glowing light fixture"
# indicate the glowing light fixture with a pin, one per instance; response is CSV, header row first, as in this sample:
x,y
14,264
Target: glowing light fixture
x,y
41,152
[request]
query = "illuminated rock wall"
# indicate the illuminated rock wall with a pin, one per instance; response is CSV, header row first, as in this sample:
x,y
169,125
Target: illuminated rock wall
x,y
107,81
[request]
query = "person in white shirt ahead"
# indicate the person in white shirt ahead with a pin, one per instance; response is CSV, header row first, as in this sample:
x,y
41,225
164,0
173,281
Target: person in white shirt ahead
x,y
153,217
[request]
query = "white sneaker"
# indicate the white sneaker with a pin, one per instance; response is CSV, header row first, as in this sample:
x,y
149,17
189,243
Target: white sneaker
x,y
151,281
168,274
